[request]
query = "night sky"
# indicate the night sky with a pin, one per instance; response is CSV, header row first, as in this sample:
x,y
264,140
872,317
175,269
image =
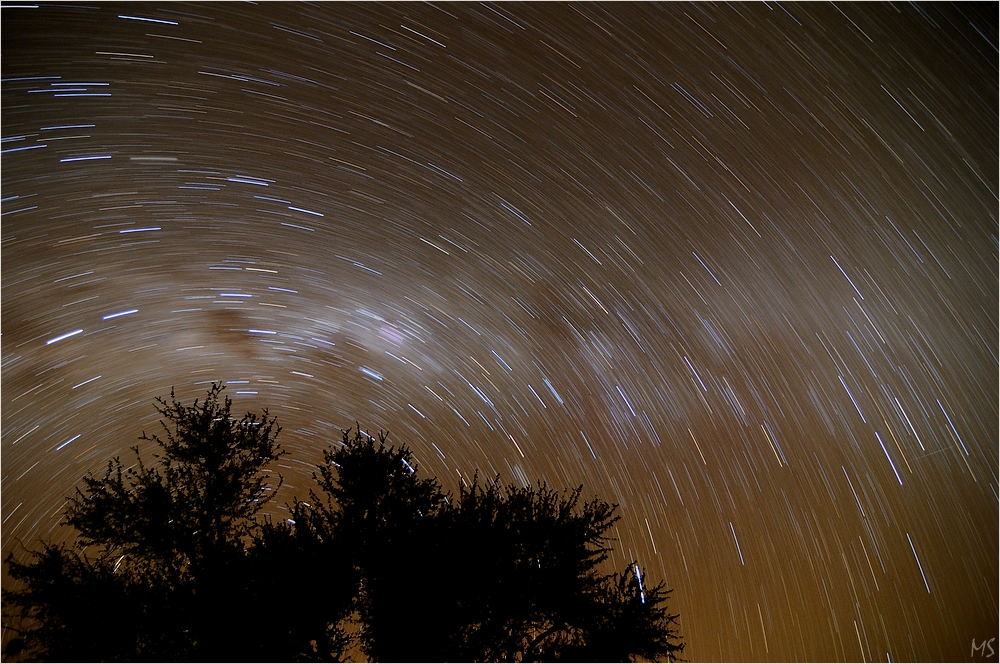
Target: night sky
x,y
733,268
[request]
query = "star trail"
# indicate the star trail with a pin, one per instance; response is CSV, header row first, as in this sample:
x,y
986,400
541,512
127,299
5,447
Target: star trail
x,y
732,267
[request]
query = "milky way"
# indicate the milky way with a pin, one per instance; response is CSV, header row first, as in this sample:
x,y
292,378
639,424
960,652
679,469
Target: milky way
x,y
733,268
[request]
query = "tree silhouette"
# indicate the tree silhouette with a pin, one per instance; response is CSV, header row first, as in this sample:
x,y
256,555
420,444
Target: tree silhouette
x,y
174,562
496,574
164,566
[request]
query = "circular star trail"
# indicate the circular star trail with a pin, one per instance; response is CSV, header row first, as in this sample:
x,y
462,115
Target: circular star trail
x,y
731,267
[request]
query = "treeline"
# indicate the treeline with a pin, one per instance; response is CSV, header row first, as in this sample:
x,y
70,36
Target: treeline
x,y
174,561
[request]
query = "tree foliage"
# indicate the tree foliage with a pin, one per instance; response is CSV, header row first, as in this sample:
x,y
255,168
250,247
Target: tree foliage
x,y
160,560
497,573
175,562
202,498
